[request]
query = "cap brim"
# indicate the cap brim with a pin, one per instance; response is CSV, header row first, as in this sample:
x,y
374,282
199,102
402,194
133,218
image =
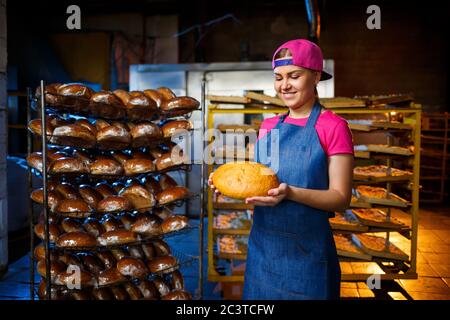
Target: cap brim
x,y
325,76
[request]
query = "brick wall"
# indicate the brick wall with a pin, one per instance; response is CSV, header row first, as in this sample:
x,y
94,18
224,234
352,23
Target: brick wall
x,y
408,55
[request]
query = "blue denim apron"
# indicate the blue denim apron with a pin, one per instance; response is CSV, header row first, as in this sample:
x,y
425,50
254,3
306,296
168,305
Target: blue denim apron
x,y
291,250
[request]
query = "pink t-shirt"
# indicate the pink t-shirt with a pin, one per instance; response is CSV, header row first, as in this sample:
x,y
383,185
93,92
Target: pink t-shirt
x,y
333,131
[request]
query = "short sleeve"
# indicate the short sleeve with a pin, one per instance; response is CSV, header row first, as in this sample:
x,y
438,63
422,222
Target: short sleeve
x,y
340,140
267,125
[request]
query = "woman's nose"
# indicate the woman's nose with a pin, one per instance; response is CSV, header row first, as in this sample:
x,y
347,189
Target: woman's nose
x,y
285,85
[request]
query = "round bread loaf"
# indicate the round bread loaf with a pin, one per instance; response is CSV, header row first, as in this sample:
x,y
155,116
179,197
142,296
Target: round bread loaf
x,y
132,267
56,267
53,197
93,226
166,93
164,264
133,291
139,197
106,167
172,127
73,206
74,135
161,285
176,280
174,223
69,165
105,189
166,181
110,276
107,105
172,194
177,295
154,95
90,195
137,166
242,180
86,279
117,237
147,224
76,239
102,294
86,124
113,204
67,191
148,289
71,225
161,247
144,134
35,127
183,103
53,231
107,259
113,137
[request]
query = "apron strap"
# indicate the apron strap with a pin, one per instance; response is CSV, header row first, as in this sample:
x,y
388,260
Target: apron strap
x,y
314,115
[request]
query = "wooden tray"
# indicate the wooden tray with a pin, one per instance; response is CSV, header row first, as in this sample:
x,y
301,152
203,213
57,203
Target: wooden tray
x,y
239,128
346,248
377,247
370,125
346,222
359,203
262,97
394,200
376,218
228,99
397,175
379,148
342,102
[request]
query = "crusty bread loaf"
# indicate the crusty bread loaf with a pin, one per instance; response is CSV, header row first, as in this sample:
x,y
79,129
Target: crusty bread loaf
x,y
172,127
172,194
107,105
241,179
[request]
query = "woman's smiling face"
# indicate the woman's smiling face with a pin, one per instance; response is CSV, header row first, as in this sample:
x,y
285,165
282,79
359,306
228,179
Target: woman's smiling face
x,y
295,85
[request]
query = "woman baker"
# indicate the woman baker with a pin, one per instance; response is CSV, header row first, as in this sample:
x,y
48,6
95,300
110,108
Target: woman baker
x,y
291,251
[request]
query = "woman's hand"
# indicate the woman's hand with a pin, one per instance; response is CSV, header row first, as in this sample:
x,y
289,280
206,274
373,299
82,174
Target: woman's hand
x,y
274,197
211,185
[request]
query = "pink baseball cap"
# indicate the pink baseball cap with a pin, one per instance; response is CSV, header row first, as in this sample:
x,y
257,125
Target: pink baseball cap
x,y
305,54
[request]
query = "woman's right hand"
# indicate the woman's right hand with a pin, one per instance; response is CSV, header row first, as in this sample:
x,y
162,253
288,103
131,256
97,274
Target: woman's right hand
x,y
211,185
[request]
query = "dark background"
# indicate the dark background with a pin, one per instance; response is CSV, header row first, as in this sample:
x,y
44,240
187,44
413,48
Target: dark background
x,y
408,55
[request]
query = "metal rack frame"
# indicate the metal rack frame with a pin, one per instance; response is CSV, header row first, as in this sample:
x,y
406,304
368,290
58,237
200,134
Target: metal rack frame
x,y
411,273
44,175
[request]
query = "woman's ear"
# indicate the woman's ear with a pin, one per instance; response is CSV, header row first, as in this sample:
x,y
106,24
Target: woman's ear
x,y
317,77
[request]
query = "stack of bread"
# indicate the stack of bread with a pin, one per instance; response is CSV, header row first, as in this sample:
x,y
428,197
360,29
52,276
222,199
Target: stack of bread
x,y
120,104
108,135
109,165
109,196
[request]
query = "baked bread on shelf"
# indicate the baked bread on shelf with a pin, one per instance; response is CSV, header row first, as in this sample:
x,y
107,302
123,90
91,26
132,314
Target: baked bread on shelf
x,y
378,195
379,247
377,218
346,248
378,172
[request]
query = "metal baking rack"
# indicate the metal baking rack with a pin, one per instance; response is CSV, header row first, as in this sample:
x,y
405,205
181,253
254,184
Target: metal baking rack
x,y
410,128
44,111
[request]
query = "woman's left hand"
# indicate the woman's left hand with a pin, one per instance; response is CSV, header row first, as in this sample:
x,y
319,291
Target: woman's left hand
x,y
274,197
